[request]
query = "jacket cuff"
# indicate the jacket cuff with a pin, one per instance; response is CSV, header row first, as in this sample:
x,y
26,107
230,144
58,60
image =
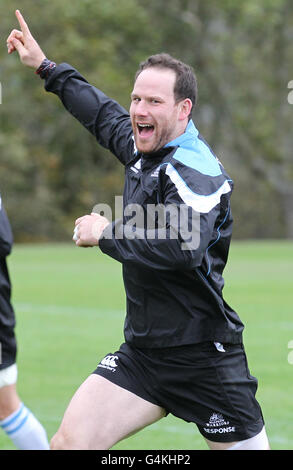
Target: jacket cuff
x,y
106,242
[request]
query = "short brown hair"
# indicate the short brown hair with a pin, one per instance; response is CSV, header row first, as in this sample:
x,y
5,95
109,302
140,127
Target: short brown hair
x,y
185,84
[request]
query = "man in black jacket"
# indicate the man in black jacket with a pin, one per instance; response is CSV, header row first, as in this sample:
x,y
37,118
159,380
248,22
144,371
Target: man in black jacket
x,y
183,351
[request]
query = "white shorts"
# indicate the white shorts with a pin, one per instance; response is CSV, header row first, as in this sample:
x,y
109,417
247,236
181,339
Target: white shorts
x,y
8,376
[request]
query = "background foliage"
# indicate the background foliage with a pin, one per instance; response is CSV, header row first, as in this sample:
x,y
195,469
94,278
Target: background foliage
x,y
52,170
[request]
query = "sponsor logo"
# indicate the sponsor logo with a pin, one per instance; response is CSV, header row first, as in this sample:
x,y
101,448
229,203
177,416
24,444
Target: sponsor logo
x,y
155,174
218,425
109,363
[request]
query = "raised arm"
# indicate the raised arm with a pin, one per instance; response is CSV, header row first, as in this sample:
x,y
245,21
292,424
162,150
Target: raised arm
x,y
99,114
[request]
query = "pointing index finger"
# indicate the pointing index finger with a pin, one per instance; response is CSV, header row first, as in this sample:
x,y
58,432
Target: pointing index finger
x,y
24,27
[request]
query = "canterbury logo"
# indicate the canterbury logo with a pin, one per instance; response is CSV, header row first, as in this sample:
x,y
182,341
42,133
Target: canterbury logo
x,y
109,361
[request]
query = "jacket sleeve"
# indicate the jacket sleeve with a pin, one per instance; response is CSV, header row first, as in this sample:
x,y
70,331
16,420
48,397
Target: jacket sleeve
x,y
6,237
189,227
103,117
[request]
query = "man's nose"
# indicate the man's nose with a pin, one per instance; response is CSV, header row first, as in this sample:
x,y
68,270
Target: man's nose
x,y
141,108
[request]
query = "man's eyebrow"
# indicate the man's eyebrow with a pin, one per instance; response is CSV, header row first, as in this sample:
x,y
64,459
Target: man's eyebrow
x,y
157,98
149,98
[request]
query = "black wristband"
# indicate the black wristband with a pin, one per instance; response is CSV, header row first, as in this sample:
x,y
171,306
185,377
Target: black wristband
x,y
46,67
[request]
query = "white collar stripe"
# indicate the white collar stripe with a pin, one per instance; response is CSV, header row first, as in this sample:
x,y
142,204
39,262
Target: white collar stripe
x,y
198,202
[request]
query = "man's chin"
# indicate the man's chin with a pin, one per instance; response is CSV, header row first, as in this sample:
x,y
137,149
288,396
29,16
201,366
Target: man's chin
x,y
146,148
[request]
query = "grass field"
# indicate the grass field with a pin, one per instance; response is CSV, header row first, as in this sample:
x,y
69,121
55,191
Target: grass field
x,y
70,311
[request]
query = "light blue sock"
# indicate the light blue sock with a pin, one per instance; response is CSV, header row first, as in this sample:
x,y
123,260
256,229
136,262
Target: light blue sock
x,y
25,431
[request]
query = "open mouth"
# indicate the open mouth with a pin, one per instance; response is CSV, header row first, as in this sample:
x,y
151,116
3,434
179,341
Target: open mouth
x,y
145,130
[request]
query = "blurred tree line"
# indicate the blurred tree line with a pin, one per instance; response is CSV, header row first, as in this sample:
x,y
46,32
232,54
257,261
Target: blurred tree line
x,y
52,170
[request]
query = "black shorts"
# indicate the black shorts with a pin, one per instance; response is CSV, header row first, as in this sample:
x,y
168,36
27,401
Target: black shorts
x,y
197,383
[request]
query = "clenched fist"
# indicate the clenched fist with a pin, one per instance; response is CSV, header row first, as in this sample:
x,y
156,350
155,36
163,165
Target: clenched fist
x,y
88,229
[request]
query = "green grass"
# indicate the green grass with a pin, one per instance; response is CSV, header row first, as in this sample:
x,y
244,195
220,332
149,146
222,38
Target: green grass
x,y
70,310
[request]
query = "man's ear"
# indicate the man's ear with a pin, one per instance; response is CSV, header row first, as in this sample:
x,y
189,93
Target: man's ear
x,y
185,107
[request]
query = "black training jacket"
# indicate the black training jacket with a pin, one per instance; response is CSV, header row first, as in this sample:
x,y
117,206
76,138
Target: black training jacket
x,y
172,275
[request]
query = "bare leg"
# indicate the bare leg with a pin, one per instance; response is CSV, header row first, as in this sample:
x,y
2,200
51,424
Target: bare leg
x,y
19,423
9,400
219,445
100,414
258,442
